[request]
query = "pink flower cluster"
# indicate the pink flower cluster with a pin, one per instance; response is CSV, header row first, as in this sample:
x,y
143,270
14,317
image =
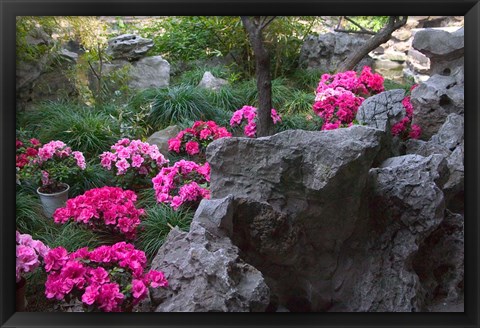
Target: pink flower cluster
x,y
59,149
249,113
195,140
184,182
405,129
110,278
132,155
338,96
30,254
110,209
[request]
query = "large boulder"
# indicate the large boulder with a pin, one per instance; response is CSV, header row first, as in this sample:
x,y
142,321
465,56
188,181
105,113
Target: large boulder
x,y
128,46
204,270
145,73
325,52
149,72
299,195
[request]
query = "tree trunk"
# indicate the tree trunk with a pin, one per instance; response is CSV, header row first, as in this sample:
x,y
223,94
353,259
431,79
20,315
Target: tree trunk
x,y
394,23
262,72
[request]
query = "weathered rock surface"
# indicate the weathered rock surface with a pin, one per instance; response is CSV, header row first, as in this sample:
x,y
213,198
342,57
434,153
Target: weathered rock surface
x,y
406,205
449,142
204,270
444,49
383,110
434,100
145,73
149,72
128,46
440,261
211,82
326,51
160,138
311,185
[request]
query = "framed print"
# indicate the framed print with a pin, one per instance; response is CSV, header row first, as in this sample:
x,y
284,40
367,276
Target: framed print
x,y
181,157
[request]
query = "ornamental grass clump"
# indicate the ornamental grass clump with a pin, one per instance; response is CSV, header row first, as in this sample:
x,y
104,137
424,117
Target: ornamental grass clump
x,y
405,129
184,183
248,114
109,210
30,254
52,166
194,141
338,96
133,162
107,278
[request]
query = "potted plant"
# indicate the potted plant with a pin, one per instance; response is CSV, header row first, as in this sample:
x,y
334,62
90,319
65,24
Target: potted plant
x,y
49,169
30,255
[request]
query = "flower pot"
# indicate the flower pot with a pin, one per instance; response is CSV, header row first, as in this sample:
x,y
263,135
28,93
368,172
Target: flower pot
x,y
50,202
20,301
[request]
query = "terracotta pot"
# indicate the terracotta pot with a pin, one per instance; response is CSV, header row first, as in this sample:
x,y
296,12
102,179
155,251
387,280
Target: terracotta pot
x,y
50,202
20,300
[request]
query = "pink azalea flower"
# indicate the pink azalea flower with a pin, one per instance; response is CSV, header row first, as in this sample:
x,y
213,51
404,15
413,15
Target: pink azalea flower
x,y
192,148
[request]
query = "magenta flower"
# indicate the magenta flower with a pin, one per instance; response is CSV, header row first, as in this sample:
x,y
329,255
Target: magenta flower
x,y
192,148
56,259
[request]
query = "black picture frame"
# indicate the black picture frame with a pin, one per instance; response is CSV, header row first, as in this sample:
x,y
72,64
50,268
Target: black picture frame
x,y
9,9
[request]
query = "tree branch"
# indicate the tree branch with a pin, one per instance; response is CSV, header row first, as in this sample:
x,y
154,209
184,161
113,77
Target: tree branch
x,y
359,26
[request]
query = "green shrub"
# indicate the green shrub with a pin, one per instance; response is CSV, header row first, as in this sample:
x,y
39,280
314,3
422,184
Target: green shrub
x,y
29,213
157,224
178,103
85,129
300,102
306,79
71,236
94,176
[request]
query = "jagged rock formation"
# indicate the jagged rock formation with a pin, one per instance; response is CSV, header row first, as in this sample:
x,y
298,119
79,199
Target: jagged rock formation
x,y
204,269
326,231
128,47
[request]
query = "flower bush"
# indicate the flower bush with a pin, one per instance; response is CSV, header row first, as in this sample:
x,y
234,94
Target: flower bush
x,y
193,141
107,278
133,161
52,165
249,114
183,183
107,209
405,129
338,96
30,254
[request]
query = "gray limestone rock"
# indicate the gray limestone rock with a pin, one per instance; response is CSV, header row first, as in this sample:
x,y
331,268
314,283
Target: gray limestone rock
x,y
128,46
160,138
149,72
204,270
326,51
444,49
433,101
211,82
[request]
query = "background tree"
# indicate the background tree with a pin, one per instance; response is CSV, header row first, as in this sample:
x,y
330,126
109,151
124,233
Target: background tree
x,y
382,36
254,27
